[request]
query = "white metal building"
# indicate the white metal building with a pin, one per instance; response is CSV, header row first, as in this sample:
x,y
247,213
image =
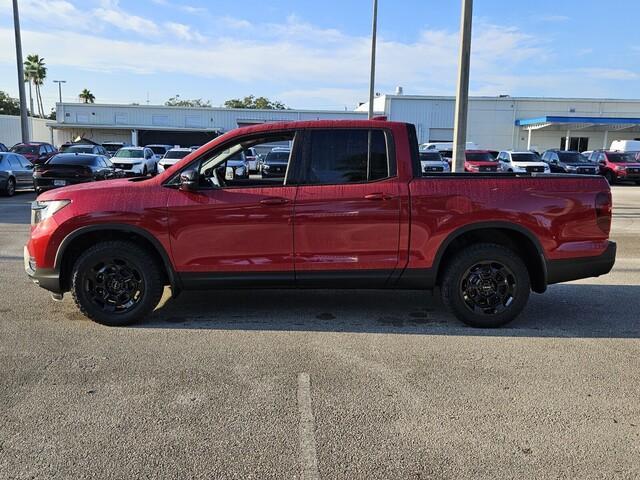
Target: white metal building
x,y
502,123
146,124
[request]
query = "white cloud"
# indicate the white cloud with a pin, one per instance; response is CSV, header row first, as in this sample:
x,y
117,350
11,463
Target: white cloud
x,y
184,32
233,22
111,13
611,73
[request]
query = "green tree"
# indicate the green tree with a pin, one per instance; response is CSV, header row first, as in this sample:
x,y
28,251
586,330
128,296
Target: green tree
x,y
180,102
35,71
86,96
260,103
9,105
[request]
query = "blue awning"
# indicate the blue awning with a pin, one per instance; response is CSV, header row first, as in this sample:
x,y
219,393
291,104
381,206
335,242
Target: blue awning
x,y
582,123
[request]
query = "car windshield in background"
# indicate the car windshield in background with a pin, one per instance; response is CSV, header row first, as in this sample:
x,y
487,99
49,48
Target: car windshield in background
x,y
525,157
129,154
571,157
25,149
73,159
158,150
79,149
176,154
623,157
277,157
430,157
111,148
480,157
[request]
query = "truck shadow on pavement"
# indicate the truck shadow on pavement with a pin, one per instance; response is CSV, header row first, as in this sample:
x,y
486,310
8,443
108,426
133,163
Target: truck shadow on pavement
x,y
569,310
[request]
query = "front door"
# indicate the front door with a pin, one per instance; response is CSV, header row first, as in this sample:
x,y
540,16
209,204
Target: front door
x,y
233,231
347,213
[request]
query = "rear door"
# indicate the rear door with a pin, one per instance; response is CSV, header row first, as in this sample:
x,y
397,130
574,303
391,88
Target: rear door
x,y
22,174
347,210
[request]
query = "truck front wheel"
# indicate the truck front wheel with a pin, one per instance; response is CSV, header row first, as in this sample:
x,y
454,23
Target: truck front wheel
x,y
486,285
116,283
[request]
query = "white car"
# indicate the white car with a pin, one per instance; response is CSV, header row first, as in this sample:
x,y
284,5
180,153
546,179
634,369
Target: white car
x,y
135,161
521,162
172,157
252,159
159,150
625,146
432,162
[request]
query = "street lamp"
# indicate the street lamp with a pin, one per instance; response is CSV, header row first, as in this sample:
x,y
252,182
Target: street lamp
x,y
24,122
372,78
60,82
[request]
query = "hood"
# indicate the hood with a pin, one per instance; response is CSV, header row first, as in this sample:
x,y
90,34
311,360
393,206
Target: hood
x,y
482,164
531,164
105,185
581,165
128,161
627,165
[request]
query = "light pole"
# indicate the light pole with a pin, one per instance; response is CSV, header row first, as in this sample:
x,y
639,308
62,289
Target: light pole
x,y
462,97
372,78
60,82
24,122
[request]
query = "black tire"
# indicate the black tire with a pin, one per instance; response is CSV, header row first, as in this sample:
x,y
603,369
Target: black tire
x,y
110,273
10,187
610,178
486,285
144,172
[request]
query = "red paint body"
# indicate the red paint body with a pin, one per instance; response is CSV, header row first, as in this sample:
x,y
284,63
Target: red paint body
x,y
390,225
472,165
620,170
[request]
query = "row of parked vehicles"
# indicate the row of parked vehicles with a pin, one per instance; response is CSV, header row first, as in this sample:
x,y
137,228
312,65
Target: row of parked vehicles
x,y
615,166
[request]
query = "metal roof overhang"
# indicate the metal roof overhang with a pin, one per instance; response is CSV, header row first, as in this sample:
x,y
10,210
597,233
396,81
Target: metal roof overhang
x,y
94,126
601,124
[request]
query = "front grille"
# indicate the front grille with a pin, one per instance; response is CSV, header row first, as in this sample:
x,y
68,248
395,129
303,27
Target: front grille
x,y
433,169
587,171
123,166
535,169
488,169
633,170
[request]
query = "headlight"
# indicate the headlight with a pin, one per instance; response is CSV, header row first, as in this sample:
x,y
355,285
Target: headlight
x,y
571,168
41,210
265,166
240,171
620,168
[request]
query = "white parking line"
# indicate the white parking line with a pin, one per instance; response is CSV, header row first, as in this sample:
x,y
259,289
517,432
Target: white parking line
x,y
308,457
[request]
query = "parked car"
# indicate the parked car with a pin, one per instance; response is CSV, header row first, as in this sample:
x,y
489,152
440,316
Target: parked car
x,y
432,162
113,147
235,167
171,158
625,146
563,161
480,161
86,148
586,154
618,166
3,148
135,161
521,162
360,218
159,150
275,163
72,168
252,159
35,152
15,173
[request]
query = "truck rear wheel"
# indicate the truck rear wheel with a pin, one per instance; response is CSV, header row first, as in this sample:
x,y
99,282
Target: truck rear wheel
x,y
116,283
486,285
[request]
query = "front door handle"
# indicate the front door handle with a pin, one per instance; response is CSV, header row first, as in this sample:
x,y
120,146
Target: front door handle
x,y
274,201
378,196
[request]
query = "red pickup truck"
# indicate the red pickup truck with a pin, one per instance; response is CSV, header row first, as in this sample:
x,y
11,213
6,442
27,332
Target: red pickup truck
x,y
351,209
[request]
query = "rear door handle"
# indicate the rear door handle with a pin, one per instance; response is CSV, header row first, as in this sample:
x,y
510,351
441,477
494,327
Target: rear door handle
x,y
274,201
378,196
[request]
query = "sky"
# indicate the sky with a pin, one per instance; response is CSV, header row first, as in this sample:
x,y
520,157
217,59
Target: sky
x,y
315,54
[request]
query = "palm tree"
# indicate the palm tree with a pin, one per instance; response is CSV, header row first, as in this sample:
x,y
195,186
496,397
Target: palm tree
x,y
86,96
36,72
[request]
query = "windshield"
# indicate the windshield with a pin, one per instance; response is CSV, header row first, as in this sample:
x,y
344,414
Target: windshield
x,y
571,157
277,157
623,157
430,157
80,149
72,160
122,153
525,157
158,150
479,157
177,154
25,149
112,147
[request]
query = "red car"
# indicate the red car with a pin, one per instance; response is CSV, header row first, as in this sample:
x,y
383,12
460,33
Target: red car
x,y
618,166
36,152
480,161
352,211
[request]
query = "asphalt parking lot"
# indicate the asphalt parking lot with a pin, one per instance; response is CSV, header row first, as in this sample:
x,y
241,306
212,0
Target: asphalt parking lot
x,y
322,384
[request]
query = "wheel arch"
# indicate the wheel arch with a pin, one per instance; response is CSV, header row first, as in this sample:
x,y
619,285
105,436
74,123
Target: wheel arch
x,y
78,240
520,239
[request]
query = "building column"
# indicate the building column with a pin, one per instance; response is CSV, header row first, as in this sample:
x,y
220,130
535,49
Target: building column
x,y
529,139
567,142
134,138
606,140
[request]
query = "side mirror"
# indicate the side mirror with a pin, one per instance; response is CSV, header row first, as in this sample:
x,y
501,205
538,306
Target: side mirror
x,y
189,180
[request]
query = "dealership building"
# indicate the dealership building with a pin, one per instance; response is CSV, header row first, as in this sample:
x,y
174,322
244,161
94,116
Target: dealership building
x,y
498,123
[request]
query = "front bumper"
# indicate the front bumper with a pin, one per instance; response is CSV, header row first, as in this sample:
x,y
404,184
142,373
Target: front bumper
x,y
559,271
47,278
